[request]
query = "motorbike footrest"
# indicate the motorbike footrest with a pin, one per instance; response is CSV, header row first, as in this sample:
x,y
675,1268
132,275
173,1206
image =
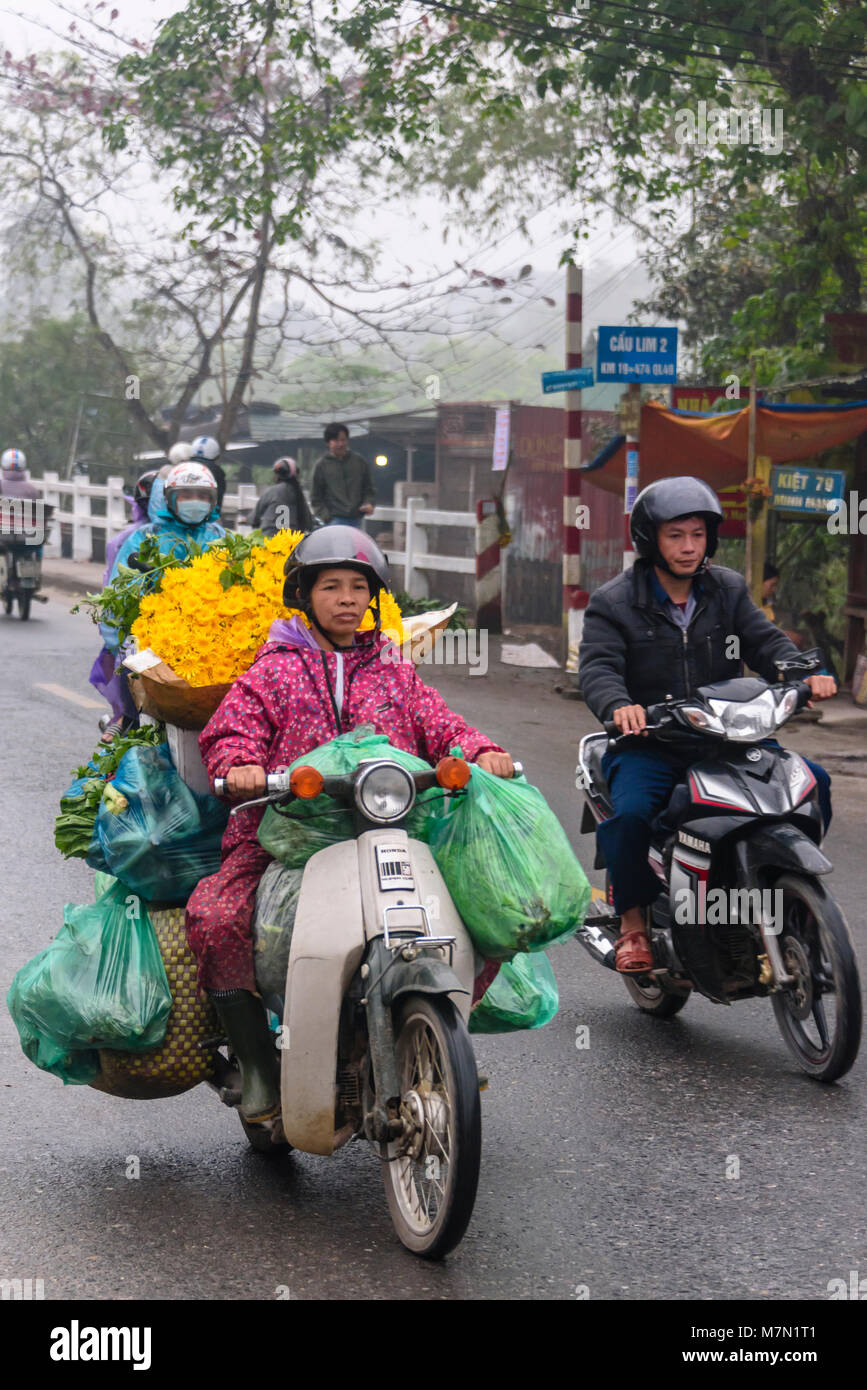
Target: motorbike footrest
x,y
601,914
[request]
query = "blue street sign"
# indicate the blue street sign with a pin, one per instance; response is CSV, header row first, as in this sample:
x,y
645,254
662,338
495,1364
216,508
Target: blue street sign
x,y
637,354
813,492
575,380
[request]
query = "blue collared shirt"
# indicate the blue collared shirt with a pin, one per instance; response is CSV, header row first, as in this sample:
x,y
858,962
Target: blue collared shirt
x,y
683,617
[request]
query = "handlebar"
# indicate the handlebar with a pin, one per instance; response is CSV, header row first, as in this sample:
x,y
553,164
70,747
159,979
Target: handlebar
x,y
615,735
277,783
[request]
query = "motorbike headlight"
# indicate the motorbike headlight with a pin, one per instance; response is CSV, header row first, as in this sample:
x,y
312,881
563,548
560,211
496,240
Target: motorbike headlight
x,y
384,792
750,721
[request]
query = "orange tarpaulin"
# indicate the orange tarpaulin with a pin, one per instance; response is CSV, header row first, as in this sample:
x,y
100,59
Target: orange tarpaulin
x,y
714,447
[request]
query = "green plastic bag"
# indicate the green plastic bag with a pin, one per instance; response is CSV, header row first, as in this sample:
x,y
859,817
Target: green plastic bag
x,y
100,983
273,921
523,994
508,866
294,834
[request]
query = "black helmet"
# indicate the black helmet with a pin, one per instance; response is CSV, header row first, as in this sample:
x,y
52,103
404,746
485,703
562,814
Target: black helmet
x,y
673,499
142,490
333,547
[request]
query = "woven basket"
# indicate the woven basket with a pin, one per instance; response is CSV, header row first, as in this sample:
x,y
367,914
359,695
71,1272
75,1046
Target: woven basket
x,y
180,1062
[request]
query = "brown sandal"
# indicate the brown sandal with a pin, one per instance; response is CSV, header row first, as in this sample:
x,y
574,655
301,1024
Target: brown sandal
x,y
633,953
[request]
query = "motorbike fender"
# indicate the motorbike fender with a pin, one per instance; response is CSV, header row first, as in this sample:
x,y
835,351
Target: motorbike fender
x,y
431,892
328,944
781,847
425,975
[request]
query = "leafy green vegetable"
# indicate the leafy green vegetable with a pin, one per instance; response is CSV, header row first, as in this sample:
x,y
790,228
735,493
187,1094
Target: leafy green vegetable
x,y
73,828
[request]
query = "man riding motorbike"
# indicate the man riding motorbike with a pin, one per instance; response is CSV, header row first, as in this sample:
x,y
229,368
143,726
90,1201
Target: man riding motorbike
x,y
307,685
672,623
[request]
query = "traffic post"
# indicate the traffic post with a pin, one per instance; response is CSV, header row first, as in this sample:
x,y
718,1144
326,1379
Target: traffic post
x,y
575,598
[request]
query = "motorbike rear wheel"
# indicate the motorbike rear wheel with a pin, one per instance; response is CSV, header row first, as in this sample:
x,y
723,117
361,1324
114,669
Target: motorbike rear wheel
x,y
653,999
817,949
432,1173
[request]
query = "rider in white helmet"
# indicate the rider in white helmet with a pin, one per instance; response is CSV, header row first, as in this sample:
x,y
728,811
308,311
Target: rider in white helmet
x,y
205,449
14,481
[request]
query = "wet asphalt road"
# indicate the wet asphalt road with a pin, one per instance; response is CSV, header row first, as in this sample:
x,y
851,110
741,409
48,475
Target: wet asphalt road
x,y
603,1167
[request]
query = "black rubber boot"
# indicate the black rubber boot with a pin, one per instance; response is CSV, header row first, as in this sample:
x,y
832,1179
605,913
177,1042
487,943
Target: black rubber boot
x,y
243,1017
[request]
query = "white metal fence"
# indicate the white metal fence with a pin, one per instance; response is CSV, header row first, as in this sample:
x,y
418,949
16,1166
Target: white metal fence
x,y
72,501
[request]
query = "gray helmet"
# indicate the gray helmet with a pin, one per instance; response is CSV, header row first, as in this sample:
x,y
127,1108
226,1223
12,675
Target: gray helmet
x,y
673,499
334,547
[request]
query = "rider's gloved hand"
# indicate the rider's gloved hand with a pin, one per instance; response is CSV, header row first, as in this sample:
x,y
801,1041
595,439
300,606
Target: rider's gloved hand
x,y
821,688
243,783
631,719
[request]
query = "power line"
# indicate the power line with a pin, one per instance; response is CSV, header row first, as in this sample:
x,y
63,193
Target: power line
x,y
554,38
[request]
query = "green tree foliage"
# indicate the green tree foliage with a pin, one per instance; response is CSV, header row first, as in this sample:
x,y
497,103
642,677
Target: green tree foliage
x,y
631,78
52,374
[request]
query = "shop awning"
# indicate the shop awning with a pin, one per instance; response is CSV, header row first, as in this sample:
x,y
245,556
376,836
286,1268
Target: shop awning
x,y
713,446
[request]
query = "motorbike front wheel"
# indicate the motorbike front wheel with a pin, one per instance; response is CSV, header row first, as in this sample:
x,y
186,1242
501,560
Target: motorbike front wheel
x,y
24,605
432,1173
819,1016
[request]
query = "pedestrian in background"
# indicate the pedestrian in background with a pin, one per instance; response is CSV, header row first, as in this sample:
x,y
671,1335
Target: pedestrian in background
x,y
283,507
343,491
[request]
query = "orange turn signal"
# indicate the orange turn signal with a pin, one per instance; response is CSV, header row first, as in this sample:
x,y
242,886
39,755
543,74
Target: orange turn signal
x,y
453,773
306,782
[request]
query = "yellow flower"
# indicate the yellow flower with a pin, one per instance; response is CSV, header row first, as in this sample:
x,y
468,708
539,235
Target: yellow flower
x,y
209,634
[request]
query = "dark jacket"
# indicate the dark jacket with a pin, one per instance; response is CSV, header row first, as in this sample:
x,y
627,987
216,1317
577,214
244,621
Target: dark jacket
x,y
633,653
282,507
341,487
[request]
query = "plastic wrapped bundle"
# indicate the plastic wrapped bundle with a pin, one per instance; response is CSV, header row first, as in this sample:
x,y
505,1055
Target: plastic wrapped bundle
x,y
303,827
509,867
523,994
273,920
152,832
99,984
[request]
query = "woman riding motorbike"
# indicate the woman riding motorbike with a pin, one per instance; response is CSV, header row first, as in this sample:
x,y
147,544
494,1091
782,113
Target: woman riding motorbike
x,y
182,508
306,686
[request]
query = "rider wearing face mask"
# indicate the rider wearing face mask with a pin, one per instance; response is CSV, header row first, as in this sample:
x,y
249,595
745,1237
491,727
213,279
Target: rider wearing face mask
x,y
182,508
307,685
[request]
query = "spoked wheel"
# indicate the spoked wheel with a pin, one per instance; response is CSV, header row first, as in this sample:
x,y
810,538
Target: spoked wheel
x,y
24,606
651,998
820,1015
432,1172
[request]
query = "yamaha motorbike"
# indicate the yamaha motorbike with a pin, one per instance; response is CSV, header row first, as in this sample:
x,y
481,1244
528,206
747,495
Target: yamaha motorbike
x,y
744,911
370,1028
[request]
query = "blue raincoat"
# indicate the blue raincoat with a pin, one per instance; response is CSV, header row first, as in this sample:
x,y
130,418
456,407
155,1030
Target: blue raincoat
x,y
172,537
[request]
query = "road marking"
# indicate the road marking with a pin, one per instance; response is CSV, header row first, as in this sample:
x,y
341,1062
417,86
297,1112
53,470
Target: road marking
x,y
596,894
72,696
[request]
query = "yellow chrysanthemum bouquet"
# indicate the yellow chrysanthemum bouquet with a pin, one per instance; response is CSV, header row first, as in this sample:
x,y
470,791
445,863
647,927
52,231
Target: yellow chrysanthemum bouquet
x,y
205,617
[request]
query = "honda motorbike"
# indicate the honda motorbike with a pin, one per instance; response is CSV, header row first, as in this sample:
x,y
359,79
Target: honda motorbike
x,y
370,1031
744,910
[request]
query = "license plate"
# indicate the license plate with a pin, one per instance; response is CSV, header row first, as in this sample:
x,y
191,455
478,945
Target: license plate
x,y
394,867
27,569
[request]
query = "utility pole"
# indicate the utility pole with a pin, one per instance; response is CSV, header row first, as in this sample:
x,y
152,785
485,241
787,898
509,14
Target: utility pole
x,y
631,426
575,598
758,481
